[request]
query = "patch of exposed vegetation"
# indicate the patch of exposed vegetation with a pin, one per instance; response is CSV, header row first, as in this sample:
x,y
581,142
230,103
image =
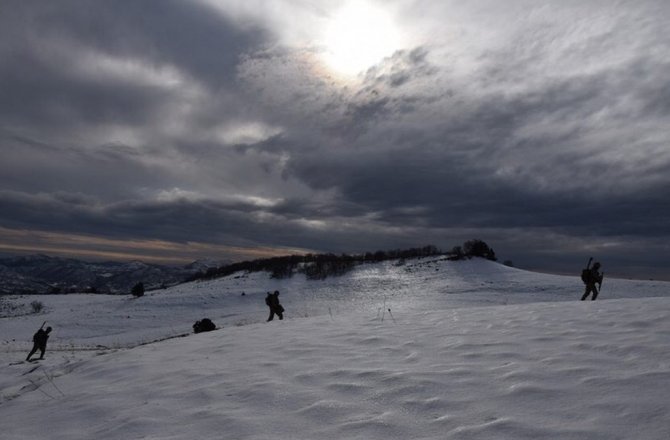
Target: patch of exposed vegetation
x,y
321,266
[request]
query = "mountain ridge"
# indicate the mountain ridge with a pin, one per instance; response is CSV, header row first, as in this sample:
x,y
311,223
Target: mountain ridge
x,y
42,274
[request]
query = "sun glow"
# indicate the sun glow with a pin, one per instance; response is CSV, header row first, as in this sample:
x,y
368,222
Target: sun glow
x,y
358,36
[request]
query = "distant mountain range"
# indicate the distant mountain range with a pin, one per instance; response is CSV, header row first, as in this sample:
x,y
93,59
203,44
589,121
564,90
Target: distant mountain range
x,y
45,274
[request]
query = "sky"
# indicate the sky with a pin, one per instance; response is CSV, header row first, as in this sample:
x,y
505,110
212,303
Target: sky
x,y
176,130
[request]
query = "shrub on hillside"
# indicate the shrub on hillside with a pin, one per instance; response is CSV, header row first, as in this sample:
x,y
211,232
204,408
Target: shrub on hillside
x,y
323,268
138,290
314,266
473,248
36,306
204,325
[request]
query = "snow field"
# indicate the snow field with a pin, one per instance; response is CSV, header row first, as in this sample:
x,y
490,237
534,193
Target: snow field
x,y
440,368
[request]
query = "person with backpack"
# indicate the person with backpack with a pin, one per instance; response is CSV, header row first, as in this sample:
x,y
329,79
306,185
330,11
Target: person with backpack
x,y
272,301
591,277
40,342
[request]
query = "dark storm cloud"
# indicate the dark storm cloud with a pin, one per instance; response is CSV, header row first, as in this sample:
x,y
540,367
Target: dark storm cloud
x,y
111,170
188,34
517,148
50,95
402,67
453,196
173,121
583,153
75,64
179,220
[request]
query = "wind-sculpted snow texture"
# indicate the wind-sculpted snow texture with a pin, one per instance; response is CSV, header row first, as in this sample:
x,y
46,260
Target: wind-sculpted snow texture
x,y
470,350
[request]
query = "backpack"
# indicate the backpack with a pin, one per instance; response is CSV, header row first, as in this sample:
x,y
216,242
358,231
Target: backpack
x,y
39,335
586,275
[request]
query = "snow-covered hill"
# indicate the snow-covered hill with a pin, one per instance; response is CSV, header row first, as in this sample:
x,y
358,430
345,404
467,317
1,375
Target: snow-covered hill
x,y
430,349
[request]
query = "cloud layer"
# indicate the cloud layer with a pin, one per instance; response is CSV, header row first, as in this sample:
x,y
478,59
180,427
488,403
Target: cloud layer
x,y
539,127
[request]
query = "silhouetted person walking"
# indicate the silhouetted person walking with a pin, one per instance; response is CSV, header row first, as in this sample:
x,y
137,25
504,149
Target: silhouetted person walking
x,y
591,277
272,301
40,342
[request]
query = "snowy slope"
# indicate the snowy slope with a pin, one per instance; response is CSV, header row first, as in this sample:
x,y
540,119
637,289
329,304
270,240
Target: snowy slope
x,y
470,350
86,321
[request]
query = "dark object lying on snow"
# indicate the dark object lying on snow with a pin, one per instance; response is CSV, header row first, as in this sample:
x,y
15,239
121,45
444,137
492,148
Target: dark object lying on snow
x,y
204,325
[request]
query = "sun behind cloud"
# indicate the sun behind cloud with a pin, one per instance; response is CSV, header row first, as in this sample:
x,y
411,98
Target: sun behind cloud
x,y
358,36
